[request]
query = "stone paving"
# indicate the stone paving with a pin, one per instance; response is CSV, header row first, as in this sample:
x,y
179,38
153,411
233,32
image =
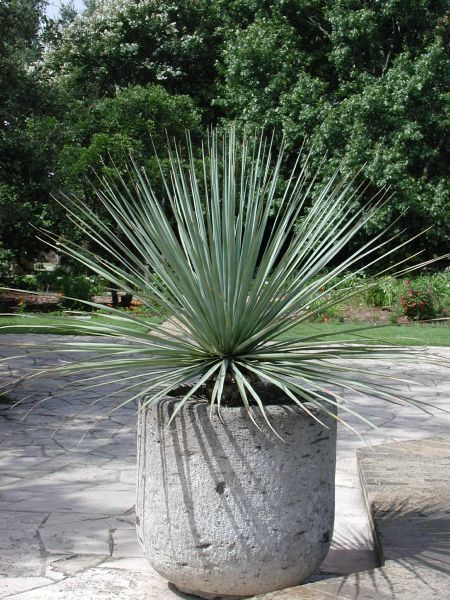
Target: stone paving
x,y
407,490
67,482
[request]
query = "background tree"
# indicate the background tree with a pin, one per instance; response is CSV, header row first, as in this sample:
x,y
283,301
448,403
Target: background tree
x,y
28,134
368,83
117,43
136,122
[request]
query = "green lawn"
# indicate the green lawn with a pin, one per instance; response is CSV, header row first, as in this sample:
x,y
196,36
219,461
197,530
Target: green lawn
x,y
437,334
414,334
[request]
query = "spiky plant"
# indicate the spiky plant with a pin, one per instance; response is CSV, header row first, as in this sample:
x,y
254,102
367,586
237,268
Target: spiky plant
x,y
237,263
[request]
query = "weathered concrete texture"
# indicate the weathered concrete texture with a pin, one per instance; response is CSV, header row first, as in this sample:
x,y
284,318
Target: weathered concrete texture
x,y
101,584
66,498
227,509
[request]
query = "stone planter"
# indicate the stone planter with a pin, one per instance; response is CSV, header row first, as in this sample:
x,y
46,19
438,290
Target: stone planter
x,y
224,509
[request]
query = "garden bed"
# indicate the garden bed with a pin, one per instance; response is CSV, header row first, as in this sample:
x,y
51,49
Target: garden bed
x,y
44,302
373,315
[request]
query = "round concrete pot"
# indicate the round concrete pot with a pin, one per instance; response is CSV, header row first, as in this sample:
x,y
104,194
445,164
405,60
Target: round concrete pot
x,y
226,510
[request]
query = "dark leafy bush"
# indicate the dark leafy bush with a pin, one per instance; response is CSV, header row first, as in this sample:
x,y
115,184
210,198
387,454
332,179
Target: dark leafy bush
x,y
383,294
417,304
24,282
5,261
78,286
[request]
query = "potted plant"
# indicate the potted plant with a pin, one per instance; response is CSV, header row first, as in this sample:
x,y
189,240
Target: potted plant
x,y
237,414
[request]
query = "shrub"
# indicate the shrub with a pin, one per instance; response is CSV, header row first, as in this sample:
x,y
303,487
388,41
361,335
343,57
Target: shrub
x,y
335,312
417,304
25,282
5,261
76,286
383,294
438,284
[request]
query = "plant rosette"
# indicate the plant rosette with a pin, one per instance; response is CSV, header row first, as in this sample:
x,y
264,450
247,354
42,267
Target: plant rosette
x,y
236,470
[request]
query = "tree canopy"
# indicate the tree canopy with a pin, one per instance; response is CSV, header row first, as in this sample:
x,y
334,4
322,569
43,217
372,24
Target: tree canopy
x,y
366,82
27,135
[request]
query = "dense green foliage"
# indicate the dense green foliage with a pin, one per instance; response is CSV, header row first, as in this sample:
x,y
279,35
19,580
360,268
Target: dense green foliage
x,y
136,120
124,42
27,132
366,81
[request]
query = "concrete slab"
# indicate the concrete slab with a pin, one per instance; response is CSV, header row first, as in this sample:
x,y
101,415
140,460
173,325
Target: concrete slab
x,y
101,584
